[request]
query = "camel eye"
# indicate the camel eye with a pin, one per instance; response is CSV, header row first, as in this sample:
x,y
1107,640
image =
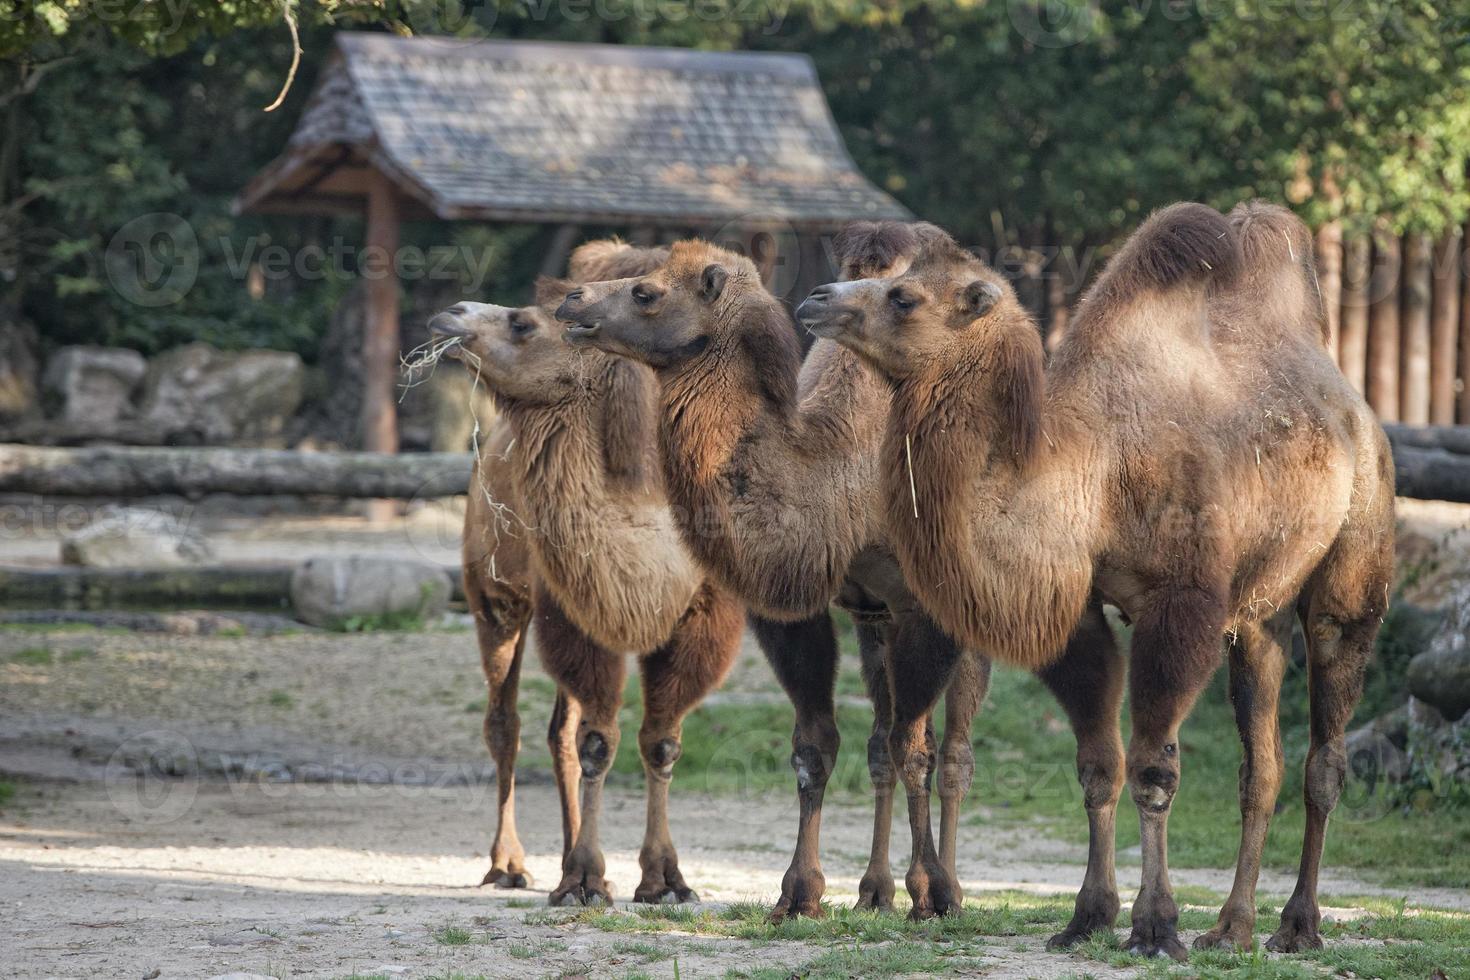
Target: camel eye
x,y
902,302
521,326
643,296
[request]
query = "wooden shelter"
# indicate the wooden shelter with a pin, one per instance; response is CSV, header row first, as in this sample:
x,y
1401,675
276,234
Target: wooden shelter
x,y
573,134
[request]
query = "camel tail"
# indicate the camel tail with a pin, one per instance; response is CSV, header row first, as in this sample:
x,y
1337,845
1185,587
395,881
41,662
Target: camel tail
x,y
1277,255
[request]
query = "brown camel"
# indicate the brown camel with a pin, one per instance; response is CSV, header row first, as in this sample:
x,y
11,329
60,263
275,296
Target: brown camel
x,y
773,466
1191,454
567,522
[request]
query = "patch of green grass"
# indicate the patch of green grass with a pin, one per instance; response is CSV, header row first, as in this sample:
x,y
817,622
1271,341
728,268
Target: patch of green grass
x,y
280,699
7,792
396,622
453,936
78,653
33,656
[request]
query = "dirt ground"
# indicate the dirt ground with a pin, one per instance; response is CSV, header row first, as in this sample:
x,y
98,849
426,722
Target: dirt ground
x,y
331,806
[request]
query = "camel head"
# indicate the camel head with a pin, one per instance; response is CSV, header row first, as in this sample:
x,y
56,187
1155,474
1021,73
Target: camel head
x,y
934,300
668,316
518,352
521,353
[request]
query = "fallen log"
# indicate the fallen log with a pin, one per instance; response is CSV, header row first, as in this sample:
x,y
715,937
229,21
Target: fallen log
x,y
217,587
122,473
1431,474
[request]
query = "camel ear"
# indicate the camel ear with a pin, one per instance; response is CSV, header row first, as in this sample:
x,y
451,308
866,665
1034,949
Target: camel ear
x,y
549,290
712,282
980,297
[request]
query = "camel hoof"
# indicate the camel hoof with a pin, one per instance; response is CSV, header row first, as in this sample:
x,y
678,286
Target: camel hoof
x,y
1227,935
503,878
788,909
1172,948
667,896
875,895
580,897
1073,936
1294,940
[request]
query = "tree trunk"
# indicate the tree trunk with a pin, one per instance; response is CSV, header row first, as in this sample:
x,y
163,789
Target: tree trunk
x,y
128,473
1353,342
1329,283
380,346
1383,328
1465,331
1445,329
1414,331
554,262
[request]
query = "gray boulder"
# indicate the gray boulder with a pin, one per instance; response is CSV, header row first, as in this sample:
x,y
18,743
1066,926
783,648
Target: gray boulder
x,y
1440,676
361,591
223,396
130,537
93,385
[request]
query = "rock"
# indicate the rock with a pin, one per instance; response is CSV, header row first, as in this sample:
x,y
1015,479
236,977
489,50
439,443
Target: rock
x,y
130,537
93,385
1439,749
1373,756
226,397
361,591
1441,675
19,394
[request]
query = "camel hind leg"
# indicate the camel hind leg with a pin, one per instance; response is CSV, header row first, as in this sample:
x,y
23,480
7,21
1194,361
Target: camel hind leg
x,y
804,657
921,660
1258,657
1088,683
1341,612
500,631
676,677
876,889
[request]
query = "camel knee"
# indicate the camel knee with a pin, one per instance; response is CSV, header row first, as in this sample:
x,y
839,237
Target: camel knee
x,y
1326,773
1153,784
1101,781
914,757
595,752
956,768
880,764
814,753
659,752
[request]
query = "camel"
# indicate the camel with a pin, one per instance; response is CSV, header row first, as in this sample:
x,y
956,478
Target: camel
x,y
1191,455
567,523
772,464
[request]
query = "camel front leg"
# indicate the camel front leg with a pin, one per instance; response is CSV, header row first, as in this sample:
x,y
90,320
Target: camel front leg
x,y
962,701
876,889
1088,683
561,739
1258,656
592,678
1176,648
676,677
500,632
804,658
920,662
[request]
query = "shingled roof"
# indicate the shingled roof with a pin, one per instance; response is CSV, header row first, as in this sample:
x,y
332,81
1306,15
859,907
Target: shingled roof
x,y
592,134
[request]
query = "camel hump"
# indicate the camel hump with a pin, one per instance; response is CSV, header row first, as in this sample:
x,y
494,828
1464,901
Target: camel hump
x,y
1278,260
1182,244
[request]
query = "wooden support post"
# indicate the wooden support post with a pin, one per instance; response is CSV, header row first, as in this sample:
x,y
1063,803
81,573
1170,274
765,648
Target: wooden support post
x,y
380,345
1465,327
1414,329
1329,281
1445,329
554,262
1383,327
1353,342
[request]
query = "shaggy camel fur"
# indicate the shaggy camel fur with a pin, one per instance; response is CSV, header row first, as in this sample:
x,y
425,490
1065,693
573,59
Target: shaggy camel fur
x,y
567,522
1192,455
773,466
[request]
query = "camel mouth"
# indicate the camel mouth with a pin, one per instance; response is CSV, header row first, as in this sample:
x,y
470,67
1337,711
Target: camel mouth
x,y
581,333
819,317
